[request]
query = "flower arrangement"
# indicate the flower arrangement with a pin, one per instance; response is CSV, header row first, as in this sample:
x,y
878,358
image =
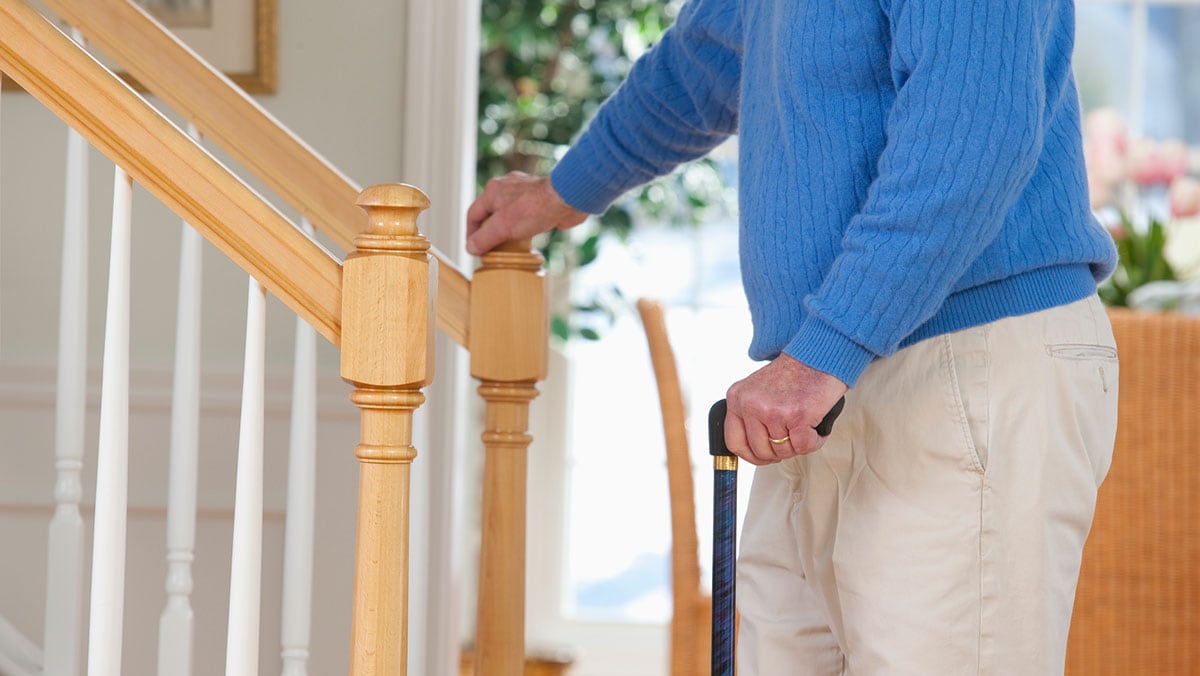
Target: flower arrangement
x,y
1147,193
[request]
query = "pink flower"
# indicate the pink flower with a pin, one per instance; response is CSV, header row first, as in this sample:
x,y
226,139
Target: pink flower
x,y
1105,170
1157,162
1184,195
1174,157
1146,164
1104,144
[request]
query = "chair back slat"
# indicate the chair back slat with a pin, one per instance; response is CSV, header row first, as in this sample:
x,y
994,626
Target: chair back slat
x,y
691,619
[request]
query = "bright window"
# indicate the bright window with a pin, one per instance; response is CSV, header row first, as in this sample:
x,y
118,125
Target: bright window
x,y
619,556
1142,58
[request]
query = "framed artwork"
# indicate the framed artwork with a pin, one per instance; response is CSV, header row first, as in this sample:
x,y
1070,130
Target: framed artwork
x,y
238,37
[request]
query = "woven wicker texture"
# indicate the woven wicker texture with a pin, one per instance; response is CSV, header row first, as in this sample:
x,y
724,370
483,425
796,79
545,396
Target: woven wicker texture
x,y
692,618
1137,609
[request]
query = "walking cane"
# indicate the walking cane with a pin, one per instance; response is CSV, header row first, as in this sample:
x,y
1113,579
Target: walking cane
x,y
725,534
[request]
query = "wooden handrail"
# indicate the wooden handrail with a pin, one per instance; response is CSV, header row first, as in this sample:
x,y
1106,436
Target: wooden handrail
x,y
241,127
160,157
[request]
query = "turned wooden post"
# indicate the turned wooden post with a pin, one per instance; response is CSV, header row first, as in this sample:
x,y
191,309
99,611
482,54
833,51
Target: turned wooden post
x,y
387,356
508,343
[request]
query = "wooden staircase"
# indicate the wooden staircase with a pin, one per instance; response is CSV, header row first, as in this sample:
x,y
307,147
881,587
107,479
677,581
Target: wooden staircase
x,y
380,303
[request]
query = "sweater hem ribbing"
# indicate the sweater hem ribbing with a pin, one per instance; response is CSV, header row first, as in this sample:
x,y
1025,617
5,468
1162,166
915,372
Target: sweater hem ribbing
x,y
823,347
1021,294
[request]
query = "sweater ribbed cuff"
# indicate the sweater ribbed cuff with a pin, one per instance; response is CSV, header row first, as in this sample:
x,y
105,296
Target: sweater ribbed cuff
x,y
579,180
826,349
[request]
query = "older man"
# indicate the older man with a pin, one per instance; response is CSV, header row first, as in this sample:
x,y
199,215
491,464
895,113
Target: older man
x,y
915,226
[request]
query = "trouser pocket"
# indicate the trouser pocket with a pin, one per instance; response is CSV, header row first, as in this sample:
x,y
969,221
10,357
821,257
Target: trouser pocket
x,y
969,364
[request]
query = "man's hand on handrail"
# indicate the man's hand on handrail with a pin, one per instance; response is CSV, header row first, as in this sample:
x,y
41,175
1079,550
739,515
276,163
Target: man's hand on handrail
x,y
516,206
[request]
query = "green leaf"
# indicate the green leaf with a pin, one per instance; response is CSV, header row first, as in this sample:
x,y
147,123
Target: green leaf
x,y
588,250
618,220
589,334
1141,260
559,328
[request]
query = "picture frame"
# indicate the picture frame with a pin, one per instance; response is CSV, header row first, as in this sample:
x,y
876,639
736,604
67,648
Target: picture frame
x,y
238,37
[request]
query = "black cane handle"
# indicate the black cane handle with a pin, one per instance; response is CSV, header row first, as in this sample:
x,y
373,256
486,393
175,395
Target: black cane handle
x,y
716,429
826,425
716,425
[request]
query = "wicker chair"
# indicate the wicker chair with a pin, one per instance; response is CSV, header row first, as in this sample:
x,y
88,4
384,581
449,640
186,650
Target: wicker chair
x,y
1137,609
692,619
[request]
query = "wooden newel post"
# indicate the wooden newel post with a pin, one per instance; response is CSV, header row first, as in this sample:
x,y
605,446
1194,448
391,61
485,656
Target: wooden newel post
x,y
508,343
387,356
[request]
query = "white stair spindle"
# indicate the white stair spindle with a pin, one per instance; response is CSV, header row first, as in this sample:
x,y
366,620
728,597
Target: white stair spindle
x,y
301,493
65,555
112,464
175,627
241,653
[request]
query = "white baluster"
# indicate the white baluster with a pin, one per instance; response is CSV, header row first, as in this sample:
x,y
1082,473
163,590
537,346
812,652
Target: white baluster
x,y
112,464
241,655
65,556
301,494
175,625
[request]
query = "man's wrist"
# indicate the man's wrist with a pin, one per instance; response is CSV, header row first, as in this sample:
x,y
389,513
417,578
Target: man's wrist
x,y
824,348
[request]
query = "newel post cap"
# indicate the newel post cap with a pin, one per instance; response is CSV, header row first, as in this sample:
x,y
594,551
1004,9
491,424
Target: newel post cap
x,y
392,208
393,195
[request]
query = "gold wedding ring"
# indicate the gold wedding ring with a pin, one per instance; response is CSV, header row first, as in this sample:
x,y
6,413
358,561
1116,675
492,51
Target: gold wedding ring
x,y
784,440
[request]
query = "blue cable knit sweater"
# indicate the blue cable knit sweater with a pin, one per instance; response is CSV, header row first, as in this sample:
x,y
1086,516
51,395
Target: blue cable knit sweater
x,y
908,167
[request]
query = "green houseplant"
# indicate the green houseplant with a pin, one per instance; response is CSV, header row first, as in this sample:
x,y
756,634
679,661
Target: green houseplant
x,y
545,68
1141,260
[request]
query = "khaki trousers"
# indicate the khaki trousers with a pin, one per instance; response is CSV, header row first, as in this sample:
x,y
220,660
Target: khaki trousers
x,y
940,529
